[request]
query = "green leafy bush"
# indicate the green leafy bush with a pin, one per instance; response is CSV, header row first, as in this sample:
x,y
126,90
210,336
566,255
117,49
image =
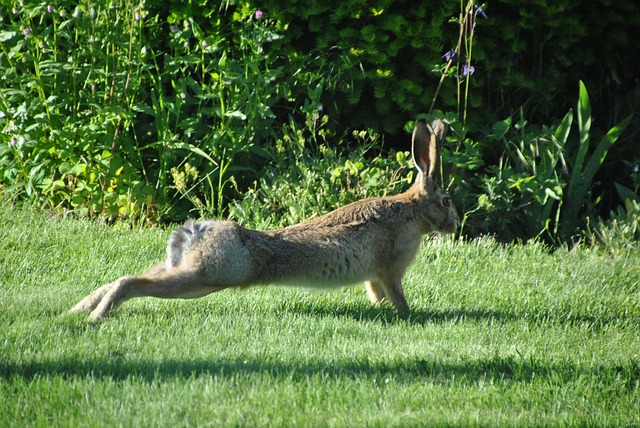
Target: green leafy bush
x,y
621,232
529,53
100,102
70,78
542,185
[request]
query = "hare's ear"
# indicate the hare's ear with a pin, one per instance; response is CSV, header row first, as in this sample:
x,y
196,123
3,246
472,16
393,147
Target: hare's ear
x,y
438,129
426,145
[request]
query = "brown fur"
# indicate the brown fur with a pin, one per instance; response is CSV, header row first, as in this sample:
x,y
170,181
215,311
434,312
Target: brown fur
x,y
373,241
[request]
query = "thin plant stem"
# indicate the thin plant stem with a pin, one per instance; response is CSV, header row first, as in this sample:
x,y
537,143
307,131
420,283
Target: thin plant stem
x,y
470,25
465,35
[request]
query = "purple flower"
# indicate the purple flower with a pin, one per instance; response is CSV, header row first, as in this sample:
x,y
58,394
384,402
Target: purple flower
x,y
50,8
259,14
450,56
136,16
467,70
175,28
479,12
14,141
26,31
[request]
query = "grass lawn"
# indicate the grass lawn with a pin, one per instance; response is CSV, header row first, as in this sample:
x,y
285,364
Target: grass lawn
x,y
498,336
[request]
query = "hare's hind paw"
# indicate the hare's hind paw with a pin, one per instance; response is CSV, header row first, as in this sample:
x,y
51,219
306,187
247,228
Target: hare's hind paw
x,y
90,302
96,316
111,297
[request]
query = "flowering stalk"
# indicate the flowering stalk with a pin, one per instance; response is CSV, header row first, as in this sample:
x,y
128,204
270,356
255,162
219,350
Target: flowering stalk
x,y
467,23
470,24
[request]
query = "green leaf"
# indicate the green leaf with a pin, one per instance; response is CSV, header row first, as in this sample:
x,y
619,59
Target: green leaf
x,y
553,195
598,156
626,194
5,36
195,150
584,127
563,130
144,108
501,128
237,114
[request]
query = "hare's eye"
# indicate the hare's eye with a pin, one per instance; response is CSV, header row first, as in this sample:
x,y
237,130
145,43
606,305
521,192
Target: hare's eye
x,y
446,201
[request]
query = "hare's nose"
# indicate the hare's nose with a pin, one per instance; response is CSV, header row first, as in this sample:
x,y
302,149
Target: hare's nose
x,y
456,220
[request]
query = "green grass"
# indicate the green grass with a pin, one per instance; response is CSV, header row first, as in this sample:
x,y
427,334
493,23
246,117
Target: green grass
x,y
499,336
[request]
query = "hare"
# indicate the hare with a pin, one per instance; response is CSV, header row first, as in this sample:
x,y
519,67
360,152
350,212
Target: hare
x,y
373,240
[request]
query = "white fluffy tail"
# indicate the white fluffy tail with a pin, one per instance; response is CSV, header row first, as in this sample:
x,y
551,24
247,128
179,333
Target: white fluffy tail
x,y
183,238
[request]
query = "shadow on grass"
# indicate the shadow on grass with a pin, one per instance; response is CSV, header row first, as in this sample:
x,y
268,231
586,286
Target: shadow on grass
x,y
423,316
501,370
417,316
364,312
385,315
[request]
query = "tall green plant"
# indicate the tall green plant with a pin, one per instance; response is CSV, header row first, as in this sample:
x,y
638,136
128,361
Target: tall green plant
x,y
212,102
540,187
233,82
100,103
534,166
582,174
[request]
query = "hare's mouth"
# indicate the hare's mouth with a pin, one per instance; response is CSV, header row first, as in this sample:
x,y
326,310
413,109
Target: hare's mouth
x,y
449,226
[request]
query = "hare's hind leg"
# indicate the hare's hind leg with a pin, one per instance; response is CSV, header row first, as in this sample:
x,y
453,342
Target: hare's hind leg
x,y
170,284
92,300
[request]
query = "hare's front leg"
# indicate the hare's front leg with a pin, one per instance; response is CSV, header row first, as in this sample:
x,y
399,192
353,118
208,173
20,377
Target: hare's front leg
x,y
375,292
394,294
389,290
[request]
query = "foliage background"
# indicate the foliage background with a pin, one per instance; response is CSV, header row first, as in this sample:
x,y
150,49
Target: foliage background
x,y
530,53
162,110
